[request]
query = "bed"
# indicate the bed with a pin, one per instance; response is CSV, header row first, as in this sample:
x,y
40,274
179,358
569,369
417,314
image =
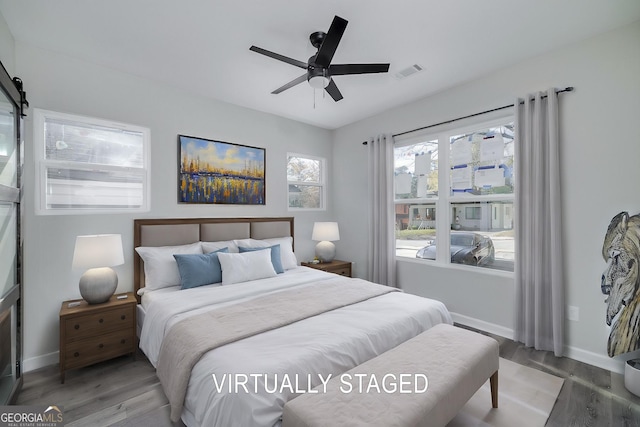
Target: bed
x,y
292,329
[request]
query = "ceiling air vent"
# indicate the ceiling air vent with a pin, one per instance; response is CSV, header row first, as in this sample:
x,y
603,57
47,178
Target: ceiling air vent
x,y
403,74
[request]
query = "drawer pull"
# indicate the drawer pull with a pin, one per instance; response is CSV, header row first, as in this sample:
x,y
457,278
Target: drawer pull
x,y
100,345
76,327
123,317
76,354
101,320
122,341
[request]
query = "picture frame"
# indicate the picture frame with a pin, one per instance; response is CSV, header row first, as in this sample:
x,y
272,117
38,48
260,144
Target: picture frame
x,y
219,172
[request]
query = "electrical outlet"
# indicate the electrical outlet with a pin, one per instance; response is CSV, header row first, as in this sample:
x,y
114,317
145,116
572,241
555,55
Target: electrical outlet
x,y
573,313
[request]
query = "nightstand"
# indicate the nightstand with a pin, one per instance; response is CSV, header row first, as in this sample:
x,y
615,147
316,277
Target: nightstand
x,y
342,268
91,333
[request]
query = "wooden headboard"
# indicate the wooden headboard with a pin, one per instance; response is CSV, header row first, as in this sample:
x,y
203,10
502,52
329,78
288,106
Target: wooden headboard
x,y
182,231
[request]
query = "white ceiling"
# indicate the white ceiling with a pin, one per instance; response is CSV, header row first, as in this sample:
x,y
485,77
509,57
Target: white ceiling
x,y
202,46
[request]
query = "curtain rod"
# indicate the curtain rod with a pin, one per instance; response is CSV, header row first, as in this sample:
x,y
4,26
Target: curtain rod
x,y
566,89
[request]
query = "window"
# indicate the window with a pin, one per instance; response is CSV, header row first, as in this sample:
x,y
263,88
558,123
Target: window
x,y
473,212
88,165
457,187
305,182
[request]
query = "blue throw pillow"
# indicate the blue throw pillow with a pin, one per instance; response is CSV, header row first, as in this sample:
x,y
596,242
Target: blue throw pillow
x,y
276,260
199,269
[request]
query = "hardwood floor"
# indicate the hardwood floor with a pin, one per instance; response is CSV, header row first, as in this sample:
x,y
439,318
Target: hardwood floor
x,y
98,395
590,396
123,392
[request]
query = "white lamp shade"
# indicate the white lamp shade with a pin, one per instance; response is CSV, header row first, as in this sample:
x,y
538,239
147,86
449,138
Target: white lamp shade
x,y
325,231
102,250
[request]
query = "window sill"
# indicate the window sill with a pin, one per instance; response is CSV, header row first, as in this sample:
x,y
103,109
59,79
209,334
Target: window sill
x,y
457,267
49,212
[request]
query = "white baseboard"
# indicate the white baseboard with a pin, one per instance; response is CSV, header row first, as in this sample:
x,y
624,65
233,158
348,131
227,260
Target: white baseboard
x,y
33,363
584,356
595,359
482,325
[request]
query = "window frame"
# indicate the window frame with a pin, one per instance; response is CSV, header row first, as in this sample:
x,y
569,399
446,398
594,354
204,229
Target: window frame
x,y
445,199
476,212
40,116
322,184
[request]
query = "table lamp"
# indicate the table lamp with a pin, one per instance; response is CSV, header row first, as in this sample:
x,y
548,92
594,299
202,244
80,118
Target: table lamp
x,y
97,254
325,233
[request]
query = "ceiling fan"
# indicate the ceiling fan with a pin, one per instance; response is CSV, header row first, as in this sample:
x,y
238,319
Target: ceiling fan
x,y
319,67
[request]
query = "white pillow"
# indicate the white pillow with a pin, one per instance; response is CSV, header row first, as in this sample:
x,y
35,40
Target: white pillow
x,y
160,267
245,266
208,247
250,243
287,257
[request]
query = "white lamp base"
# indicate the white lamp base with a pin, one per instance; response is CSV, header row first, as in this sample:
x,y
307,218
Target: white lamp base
x,y
98,284
326,251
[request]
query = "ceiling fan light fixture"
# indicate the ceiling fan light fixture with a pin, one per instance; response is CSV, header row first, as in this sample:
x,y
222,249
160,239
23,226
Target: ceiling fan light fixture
x,y
319,82
319,69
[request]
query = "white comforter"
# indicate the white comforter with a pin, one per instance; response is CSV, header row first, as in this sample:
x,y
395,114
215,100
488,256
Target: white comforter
x,y
331,343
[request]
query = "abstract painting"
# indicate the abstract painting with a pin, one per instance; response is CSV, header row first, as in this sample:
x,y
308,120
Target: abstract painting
x,y
220,172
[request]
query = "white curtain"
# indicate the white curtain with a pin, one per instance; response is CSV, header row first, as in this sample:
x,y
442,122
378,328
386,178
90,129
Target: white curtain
x,y
381,250
539,276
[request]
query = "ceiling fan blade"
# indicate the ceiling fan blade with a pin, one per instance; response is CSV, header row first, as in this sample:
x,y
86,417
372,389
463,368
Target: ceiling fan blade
x,y
330,42
333,90
279,57
291,84
342,69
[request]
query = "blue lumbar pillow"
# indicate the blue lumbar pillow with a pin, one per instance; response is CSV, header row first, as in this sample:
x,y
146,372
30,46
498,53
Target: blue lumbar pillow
x,y
199,269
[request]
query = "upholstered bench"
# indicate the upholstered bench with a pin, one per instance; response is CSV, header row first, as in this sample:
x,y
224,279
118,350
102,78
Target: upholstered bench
x,y
423,382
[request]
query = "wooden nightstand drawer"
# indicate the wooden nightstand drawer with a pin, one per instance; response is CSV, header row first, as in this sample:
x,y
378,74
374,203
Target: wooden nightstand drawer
x,y
91,350
342,268
91,333
342,271
90,325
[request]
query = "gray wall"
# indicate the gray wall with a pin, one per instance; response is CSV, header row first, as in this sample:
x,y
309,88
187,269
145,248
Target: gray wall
x,y
600,173
7,47
65,84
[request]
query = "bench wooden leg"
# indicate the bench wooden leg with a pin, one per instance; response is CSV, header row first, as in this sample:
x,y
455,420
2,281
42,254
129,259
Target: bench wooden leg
x,y
494,389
